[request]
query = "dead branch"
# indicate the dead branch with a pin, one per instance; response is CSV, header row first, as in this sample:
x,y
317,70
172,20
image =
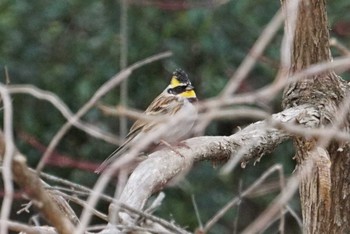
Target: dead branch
x,y
34,189
163,166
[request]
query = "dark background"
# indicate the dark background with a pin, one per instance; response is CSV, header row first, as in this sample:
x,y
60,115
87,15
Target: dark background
x,y
72,47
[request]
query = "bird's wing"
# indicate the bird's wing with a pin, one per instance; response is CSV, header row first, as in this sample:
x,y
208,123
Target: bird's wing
x,y
164,105
159,107
120,150
135,129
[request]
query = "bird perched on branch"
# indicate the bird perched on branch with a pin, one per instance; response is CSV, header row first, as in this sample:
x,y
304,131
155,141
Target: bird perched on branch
x,y
176,103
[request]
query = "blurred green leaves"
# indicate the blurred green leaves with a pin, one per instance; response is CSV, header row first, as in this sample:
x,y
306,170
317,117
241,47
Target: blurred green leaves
x,y
72,47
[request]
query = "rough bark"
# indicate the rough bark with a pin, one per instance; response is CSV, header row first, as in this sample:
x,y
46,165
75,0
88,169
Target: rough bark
x,y
325,191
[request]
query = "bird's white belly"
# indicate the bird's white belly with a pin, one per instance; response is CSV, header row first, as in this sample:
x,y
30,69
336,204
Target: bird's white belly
x,y
181,124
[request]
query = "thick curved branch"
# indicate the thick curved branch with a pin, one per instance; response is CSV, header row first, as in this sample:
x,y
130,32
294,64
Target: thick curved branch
x,y
251,142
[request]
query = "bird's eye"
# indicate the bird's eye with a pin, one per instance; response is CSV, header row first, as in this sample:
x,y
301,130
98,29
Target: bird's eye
x,y
171,91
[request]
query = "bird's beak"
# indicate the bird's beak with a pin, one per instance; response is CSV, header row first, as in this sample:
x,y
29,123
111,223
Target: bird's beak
x,y
189,87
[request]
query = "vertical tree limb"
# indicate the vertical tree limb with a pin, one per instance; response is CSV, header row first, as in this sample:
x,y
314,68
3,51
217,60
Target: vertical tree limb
x,y
324,193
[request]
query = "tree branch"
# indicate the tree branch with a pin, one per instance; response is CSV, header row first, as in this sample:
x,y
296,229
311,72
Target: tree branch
x,y
163,166
33,187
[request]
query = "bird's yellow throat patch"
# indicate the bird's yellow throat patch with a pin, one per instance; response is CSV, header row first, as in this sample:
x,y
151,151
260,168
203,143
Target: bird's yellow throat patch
x,y
188,94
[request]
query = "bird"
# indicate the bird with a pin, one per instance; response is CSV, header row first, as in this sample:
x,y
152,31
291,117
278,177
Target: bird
x,y
178,98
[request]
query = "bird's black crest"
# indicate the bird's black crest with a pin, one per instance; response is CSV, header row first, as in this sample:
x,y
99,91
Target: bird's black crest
x,y
181,75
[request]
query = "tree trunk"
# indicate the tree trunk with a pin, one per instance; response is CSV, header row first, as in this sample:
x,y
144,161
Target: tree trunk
x,y
325,191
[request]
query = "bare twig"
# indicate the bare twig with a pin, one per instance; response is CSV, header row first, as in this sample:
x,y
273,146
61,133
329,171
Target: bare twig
x,y
295,216
123,63
235,113
282,214
258,48
199,220
236,200
288,191
23,228
235,221
114,207
78,201
342,48
183,5
338,64
7,76
245,67
123,111
7,147
25,207
156,203
65,111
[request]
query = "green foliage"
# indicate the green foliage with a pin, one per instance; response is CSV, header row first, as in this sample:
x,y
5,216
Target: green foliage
x,y
72,47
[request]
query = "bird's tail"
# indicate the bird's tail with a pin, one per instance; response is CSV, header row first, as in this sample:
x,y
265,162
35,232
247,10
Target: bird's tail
x,y
116,153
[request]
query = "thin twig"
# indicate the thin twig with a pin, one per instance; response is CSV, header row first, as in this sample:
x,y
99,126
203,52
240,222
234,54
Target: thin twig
x,y
295,216
256,51
235,113
78,201
25,207
114,208
340,63
123,122
65,111
342,48
237,199
198,216
7,76
282,199
245,67
7,158
282,185
156,203
24,228
235,222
